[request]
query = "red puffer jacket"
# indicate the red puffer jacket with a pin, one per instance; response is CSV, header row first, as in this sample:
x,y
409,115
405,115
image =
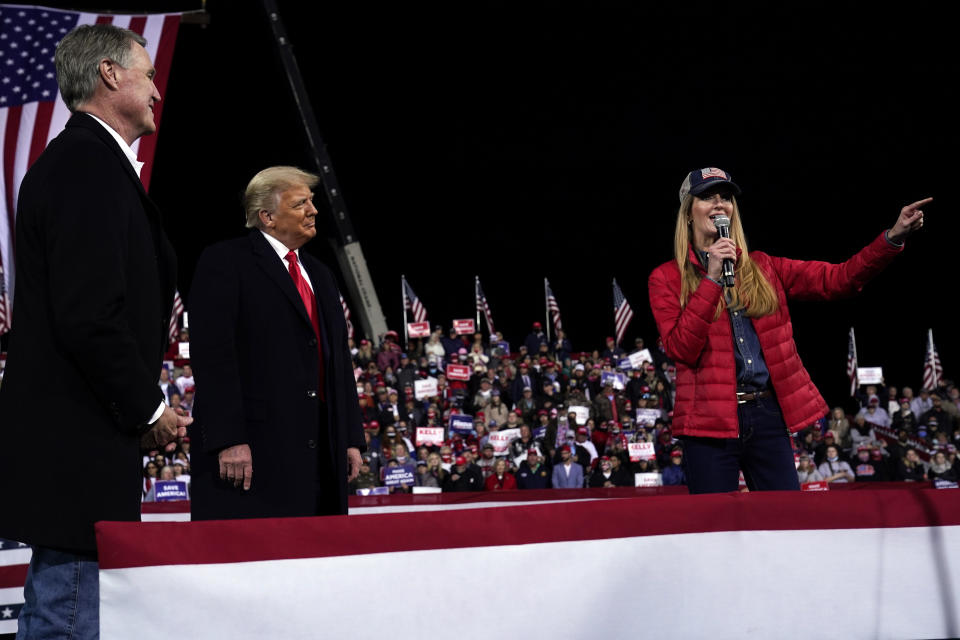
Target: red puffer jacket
x,y
703,349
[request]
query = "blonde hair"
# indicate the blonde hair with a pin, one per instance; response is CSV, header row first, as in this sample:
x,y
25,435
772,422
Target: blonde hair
x,y
264,189
752,290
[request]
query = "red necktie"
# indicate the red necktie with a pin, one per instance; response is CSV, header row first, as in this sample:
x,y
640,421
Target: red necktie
x,y
310,302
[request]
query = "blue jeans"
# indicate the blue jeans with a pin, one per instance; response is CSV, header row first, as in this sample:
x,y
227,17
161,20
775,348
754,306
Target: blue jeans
x,y
763,451
61,597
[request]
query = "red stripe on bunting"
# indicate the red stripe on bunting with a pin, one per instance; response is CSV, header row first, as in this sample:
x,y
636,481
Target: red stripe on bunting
x,y
41,127
124,545
13,576
148,144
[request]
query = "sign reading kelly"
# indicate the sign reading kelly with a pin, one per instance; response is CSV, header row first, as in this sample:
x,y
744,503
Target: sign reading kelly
x,y
641,451
429,436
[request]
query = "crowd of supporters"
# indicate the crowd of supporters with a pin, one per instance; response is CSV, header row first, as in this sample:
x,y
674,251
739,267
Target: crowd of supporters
x,y
572,416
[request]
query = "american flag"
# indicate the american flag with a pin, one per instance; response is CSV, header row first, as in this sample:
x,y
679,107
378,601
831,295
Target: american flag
x,y
346,316
175,316
14,558
412,302
852,364
622,313
932,370
484,307
31,113
553,306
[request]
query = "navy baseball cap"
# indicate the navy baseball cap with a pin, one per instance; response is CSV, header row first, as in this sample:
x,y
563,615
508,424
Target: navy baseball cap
x,y
700,180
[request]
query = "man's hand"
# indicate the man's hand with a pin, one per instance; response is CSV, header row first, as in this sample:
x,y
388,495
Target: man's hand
x,y
909,220
353,463
236,465
169,428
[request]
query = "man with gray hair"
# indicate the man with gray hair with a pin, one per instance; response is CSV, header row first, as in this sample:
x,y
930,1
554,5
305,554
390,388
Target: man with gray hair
x,y
95,282
275,386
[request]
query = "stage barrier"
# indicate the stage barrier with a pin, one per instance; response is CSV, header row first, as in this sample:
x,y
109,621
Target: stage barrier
x,y
853,564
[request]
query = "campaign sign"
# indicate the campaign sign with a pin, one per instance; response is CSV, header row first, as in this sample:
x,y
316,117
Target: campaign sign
x,y
637,359
823,485
374,491
625,364
399,476
501,440
582,413
458,372
426,388
505,347
618,380
184,348
462,424
647,480
540,432
418,329
429,436
648,417
870,375
940,483
170,491
464,327
641,451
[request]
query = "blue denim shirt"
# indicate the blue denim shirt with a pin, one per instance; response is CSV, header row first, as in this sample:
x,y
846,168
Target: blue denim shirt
x,y
752,370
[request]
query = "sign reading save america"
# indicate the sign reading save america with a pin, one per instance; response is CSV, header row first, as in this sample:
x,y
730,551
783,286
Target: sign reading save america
x,y
458,372
418,329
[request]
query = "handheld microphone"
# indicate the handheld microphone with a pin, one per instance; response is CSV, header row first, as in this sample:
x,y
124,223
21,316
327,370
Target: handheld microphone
x,y
722,223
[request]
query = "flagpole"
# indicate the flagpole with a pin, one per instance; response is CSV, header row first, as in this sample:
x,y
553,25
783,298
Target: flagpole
x,y
403,297
476,300
546,304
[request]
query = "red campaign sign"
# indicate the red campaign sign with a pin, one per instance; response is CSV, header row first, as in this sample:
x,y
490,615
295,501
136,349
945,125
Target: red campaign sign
x,y
418,329
815,486
464,327
458,372
429,436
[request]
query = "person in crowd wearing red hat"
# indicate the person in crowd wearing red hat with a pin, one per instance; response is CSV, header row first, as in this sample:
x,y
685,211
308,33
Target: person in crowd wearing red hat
x,y
833,469
365,355
673,472
464,476
500,479
535,338
582,440
567,474
865,469
533,473
722,314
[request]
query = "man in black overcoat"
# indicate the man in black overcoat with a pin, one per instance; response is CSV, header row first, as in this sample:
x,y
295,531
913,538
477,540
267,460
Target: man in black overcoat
x,y
278,430
94,288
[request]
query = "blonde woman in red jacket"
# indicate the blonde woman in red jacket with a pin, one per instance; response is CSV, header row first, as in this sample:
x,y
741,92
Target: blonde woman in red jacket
x,y
741,388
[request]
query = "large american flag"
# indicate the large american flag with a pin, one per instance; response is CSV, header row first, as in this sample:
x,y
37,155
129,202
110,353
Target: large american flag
x,y
552,306
482,306
932,370
622,313
852,364
412,302
175,316
14,558
31,112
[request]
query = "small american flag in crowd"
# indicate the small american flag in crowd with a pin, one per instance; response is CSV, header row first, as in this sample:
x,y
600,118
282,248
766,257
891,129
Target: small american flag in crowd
x,y
346,316
932,370
175,316
553,307
482,306
622,313
852,364
31,112
14,558
412,302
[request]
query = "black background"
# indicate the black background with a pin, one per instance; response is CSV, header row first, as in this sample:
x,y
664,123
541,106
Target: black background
x,y
523,142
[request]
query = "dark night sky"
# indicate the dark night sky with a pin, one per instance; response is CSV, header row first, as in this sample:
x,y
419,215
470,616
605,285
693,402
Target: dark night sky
x,y
521,143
